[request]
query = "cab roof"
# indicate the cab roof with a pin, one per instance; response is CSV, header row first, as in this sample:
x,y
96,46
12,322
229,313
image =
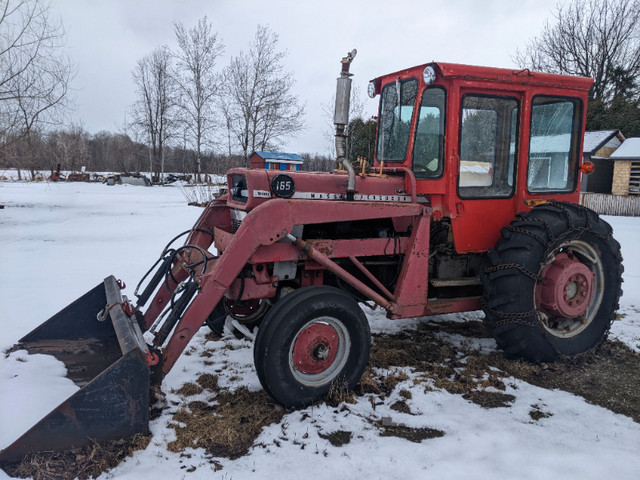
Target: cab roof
x,y
491,74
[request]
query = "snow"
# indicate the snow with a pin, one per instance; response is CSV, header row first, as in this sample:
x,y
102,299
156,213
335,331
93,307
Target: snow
x,y
60,240
629,150
594,140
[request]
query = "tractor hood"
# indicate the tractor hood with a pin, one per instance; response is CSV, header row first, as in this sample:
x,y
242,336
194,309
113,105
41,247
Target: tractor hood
x,y
249,188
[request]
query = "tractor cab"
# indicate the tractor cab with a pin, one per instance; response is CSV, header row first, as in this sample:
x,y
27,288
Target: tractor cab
x,y
481,139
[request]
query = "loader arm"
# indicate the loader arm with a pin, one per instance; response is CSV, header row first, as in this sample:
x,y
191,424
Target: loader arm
x,y
265,225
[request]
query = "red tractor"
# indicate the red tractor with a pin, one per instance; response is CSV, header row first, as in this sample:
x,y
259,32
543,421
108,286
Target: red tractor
x,y
471,203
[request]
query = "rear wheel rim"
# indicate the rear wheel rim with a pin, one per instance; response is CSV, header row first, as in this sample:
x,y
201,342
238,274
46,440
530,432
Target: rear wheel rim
x,y
319,351
247,312
567,326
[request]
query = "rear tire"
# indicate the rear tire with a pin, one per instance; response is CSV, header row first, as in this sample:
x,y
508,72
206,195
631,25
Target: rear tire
x,y
553,284
217,318
311,339
249,314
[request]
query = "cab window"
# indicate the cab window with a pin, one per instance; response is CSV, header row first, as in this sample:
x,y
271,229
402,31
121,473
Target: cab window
x,y
553,144
428,147
396,112
488,146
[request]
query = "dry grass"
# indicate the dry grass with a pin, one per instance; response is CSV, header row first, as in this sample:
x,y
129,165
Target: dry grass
x,y
199,194
340,393
82,463
415,435
189,389
437,363
208,382
227,428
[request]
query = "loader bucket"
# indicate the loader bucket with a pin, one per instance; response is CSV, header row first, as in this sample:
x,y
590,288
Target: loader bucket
x,y
107,358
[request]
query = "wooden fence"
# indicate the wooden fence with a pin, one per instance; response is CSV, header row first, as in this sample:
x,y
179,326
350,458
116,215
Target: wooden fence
x,y
628,206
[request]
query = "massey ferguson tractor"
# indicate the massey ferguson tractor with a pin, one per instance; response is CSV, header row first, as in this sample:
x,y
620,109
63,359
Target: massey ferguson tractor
x,y
470,202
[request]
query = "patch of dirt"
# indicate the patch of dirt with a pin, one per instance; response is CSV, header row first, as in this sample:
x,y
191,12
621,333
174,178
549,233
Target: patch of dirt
x,y
415,435
406,394
228,427
85,462
337,439
490,399
536,413
402,407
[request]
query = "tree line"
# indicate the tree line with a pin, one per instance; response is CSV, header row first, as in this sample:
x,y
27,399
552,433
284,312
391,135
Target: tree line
x,y
74,148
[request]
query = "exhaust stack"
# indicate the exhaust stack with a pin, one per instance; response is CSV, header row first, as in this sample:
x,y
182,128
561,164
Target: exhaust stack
x,y
341,119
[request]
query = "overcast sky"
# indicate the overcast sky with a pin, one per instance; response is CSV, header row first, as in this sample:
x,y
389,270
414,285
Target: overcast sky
x,y
106,37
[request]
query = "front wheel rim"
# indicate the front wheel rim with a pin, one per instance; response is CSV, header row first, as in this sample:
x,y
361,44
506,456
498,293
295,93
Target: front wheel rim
x,y
319,351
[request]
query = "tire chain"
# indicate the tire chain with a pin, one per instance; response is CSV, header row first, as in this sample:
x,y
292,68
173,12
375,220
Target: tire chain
x,y
507,318
510,266
513,228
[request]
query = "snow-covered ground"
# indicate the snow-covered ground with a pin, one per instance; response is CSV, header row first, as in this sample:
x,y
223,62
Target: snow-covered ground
x,y
59,240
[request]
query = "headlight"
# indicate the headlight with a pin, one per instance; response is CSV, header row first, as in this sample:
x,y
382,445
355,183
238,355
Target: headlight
x,y
429,75
371,90
238,188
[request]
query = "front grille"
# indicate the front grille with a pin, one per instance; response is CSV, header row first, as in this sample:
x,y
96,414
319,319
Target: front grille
x,y
236,219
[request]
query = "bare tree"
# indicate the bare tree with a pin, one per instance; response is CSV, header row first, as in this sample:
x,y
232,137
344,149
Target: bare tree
x,y
594,38
116,152
356,110
34,71
197,81
70,147
152,114
257,104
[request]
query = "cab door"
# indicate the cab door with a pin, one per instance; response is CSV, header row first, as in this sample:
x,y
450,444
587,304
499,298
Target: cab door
x,y
553,145
486,179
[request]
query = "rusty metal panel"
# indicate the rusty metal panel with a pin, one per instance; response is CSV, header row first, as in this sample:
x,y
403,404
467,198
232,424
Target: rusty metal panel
x,y
413,282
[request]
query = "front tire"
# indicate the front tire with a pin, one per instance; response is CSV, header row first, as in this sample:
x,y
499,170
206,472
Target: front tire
x,y
311,339
553,284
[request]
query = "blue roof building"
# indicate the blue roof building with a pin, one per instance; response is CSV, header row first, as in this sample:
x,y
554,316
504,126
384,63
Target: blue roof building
x,y
276,161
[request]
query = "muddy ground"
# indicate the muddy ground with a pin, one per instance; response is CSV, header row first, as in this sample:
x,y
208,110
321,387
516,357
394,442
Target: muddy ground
x,y
228,424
